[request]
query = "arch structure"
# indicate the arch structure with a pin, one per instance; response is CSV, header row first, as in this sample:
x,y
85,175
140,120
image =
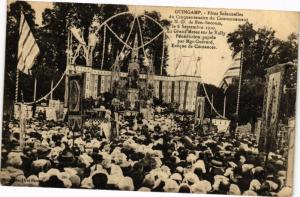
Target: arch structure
x,y
179,89
139,83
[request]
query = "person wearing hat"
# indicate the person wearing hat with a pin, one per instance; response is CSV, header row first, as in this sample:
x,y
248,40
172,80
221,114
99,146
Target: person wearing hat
x,y
65,159
184,188
54,182
41,165
216,167
159,185
144,189
233,125
99,180
171,186
234,190
137,174
14,159
126,184
201,187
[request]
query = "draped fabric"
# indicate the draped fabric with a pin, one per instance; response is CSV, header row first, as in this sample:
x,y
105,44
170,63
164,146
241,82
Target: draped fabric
x,y
28,49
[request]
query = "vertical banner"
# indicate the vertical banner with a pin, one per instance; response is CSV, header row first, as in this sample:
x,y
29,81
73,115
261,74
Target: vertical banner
x,y
199,109
257,129
272,101
75,101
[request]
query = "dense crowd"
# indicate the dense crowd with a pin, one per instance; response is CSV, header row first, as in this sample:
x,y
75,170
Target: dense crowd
x,y
161,155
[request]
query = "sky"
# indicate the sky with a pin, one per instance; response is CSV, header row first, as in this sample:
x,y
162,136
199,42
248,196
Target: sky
x,y
213,63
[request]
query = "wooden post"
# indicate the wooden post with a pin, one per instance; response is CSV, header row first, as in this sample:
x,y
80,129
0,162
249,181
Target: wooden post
x,y
240,82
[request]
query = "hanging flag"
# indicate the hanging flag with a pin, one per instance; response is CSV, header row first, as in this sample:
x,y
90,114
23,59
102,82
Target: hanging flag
x,y
28,49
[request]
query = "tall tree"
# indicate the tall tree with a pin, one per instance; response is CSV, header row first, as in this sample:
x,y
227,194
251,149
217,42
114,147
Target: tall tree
x,y
53,33
261,49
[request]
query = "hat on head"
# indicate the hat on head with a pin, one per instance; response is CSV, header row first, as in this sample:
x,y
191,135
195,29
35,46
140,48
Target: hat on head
x,y
116,170
176,177
217,163
201,187
87,183
190,178
217,180
200,164
184,188
144,189
149,180
75,180
191,158
281,173
254,185
14,159
249,193
126,183
85,159
179,169
41,165
274,186
234,190
171,186
247,167
279,162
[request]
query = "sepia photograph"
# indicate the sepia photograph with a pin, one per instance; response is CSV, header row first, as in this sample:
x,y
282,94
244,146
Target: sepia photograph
x,y
149,98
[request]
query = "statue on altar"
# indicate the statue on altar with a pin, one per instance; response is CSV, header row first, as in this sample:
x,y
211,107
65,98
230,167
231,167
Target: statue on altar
x,y
134,67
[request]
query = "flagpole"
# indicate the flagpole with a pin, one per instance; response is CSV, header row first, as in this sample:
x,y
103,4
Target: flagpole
x,y
17,85
224,106
212,101
21,120
240,82
66,96
34,92
51,92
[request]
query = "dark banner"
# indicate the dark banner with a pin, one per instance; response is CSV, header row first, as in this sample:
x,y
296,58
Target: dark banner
x,y
75,94
75,102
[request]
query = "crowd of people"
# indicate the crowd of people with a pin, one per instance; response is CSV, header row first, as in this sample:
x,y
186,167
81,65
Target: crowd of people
x,y
160,155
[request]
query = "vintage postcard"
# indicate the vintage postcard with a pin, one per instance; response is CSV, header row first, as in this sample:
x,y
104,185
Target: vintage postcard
x,y
147,98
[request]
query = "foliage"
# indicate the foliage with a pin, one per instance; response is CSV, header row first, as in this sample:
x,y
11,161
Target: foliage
x,y
261,49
